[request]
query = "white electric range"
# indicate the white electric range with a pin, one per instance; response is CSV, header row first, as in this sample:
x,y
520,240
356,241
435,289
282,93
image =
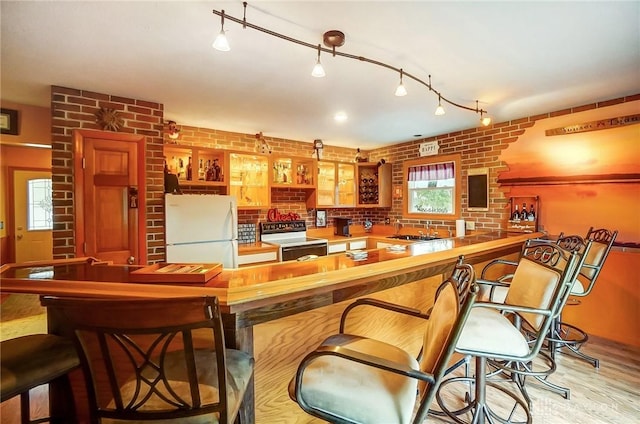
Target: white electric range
x,y
291,237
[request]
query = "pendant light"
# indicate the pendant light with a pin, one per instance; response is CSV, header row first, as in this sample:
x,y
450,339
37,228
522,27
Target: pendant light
x,y
440,110
318,70
401,91
484,120
221,43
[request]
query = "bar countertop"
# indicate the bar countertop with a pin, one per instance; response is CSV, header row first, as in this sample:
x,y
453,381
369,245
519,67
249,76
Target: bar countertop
x,y
246,288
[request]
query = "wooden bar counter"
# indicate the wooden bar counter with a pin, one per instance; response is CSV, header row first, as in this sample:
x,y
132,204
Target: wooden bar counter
x,y
278,312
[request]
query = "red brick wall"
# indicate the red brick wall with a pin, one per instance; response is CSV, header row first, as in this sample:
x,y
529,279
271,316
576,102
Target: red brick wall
x,y
72,108
286,200
478,147
75,109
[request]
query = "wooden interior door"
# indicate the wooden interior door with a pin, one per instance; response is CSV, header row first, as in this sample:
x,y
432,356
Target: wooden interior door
x,y
110,193
32,243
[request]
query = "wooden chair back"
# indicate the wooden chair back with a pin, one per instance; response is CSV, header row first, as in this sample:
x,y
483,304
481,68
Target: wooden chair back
x,y
154,358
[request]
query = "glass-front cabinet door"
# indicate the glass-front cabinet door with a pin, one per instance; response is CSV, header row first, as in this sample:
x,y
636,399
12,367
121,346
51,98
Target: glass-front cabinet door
x,y
336,184
249,180
196,166
176,160
292,172
346,184
326,191
210,167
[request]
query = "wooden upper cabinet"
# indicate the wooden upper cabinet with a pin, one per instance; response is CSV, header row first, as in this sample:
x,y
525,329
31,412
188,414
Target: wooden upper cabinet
x,y
374,185
249,180
290,171
336,184
198,166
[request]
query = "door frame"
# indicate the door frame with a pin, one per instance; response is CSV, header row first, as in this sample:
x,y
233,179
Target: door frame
x,y
11,206
78,172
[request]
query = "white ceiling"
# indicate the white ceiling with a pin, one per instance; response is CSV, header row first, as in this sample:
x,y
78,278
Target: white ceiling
x,y
517,58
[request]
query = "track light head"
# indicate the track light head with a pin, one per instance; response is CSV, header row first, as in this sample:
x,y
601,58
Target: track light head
x,y
318,70
221,43
440,110
401,91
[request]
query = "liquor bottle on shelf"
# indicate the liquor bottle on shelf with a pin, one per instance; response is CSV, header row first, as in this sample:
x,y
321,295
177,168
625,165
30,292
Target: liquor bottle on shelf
x,y
181,173
531,216
516,214
523,212
201,173
217,171
189,170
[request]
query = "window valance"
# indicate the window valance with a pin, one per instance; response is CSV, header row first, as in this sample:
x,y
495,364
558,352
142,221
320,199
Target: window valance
x,y
432,172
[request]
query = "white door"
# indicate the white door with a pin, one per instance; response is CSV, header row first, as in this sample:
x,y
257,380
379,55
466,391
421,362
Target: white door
x,y
33,215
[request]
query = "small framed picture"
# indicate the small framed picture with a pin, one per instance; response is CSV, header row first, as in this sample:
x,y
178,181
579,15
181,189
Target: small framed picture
x,y
321,218
8,121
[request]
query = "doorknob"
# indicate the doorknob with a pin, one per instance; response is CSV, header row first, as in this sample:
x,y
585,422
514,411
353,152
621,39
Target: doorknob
x,y
131,260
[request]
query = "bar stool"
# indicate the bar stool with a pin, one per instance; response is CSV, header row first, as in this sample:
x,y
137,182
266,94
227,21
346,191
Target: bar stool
x,y
567,335
31,361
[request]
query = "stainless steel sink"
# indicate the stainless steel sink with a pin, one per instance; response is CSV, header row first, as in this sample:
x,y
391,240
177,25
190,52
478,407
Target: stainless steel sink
x,y
412,237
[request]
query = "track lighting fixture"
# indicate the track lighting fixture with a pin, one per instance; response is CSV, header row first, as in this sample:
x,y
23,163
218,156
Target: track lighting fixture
x,y
221,43
484,120
318,70
401,91
333,39
440,109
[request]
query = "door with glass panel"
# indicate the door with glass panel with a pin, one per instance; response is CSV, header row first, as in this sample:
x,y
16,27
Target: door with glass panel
x,y
33,215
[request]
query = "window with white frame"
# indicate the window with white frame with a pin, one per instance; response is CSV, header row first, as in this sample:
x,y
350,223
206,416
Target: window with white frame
x,y
432,187
39,205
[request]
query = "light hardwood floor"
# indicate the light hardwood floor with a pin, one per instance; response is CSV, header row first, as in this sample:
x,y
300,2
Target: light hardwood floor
x,y
609,395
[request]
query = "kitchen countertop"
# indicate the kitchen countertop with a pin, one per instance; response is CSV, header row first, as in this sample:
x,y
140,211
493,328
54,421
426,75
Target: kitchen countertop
x,y
242,289
256,247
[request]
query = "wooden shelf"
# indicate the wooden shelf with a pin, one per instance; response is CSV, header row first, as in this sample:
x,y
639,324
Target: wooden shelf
x,y
374,185
571,179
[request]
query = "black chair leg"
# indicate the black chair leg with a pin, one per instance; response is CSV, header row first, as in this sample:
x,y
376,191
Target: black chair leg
x,y
61,402
25,413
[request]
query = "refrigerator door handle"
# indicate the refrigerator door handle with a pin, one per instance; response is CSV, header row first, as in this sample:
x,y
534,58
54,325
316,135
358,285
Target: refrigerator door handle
x,y
234,228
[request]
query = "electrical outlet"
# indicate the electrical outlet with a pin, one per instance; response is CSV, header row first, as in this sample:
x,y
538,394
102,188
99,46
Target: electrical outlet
x,y
470,225
387,221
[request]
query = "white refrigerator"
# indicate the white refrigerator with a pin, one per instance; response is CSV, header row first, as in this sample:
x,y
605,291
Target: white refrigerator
x,y
201,228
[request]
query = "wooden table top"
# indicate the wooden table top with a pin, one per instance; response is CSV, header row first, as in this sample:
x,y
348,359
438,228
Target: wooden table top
x,y
245,288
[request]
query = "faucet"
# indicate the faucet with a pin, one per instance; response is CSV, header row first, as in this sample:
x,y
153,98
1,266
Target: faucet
x,y
397,226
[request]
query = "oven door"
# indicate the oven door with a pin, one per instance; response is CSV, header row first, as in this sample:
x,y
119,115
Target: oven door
x,y
289,253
